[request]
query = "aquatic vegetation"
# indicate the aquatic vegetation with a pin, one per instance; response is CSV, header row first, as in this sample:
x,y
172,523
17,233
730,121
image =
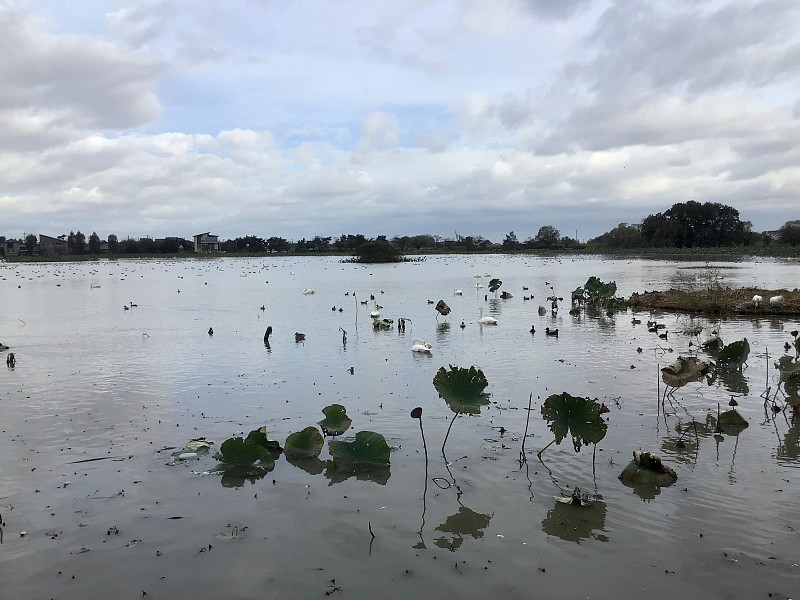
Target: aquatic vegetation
x,y
442,308
574,518
236,452
731,422
463,391
734,355
575,416
304,444
382,324
598,294
685,369
647,469
367,449
336,421
494,285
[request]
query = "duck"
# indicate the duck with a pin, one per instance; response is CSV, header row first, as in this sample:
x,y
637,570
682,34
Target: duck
x,y
267,334
486,320
551,332
126,307
463,325
263,308
663,336
422,346
3,347
635,321
309,291
533,329
210,331
299,337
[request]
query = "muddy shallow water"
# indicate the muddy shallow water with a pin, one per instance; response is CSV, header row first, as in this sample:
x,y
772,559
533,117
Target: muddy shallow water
x,y
99,392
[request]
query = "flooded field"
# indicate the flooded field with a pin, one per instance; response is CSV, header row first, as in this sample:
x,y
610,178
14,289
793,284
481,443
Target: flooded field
x,y
116,371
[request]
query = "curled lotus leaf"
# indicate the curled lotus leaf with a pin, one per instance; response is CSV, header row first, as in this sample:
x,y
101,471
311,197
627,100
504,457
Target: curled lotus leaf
x,y
646,468
236,451
494,285
336,421
368,448
734,354
260,438
506,295
577,416
304,444
462,389
731,422
684,370
442,308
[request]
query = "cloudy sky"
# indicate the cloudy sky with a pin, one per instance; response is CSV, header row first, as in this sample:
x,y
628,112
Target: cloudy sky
x,y
317,117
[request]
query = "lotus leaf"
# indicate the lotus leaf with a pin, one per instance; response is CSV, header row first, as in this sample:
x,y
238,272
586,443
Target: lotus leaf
x,y
579,416
259,437
734,354
368,448
494,285
462,389
684,370
198,445
731,422
384,324
646,468
442,308
788,367
506,295
306,443
336,421
236,451
597,290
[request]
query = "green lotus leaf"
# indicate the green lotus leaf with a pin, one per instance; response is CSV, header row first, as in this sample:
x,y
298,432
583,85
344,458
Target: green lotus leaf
x,y
336,421
462,389
577,416
236,451
442,308
598,290
494,285
788,367
731,422
368,448
306,443
259,437
734,354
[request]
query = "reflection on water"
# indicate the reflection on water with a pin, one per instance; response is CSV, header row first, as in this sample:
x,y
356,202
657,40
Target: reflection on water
x,y
576,522
98,389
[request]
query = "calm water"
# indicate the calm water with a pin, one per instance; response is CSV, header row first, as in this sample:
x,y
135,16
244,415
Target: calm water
x,y
95,381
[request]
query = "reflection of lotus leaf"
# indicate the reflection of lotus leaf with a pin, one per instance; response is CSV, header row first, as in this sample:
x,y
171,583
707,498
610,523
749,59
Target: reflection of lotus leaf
x,y
236,476
731,422
442,308
336,421
684,370
462,389
734,354
574,522
734,381
465,522
368,448
646,468
236,451
311,465
376,473
788,367
579,416
792,389
305,443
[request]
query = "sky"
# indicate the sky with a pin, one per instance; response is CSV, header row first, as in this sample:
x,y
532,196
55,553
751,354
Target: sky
x,y
393,117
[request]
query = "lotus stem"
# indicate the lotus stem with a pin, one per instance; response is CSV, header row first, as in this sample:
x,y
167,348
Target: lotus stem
x,y
522,458
539,453
448,432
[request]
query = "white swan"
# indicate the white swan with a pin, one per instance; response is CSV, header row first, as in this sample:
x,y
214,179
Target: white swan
x,y
419,345
309,291
478,285
757,300
776,300
487,320
458,293
375,314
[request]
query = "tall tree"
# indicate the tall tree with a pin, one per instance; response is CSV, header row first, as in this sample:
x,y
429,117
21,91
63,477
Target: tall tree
x,y
71,243
80,243
113,243
94,243
548,236
511,242
30,244
789,233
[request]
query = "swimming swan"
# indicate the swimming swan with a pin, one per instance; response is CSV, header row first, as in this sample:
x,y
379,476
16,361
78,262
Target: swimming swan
x,y
487,320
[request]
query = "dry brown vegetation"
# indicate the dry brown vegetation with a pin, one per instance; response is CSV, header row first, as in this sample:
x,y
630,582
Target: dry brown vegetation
x,y
719,301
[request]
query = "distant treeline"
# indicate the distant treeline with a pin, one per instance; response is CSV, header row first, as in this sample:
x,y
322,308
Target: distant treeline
x,y
685,225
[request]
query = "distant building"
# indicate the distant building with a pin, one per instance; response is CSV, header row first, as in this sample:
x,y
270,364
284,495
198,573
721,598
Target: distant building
x,y
52,246
205,242
9,247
